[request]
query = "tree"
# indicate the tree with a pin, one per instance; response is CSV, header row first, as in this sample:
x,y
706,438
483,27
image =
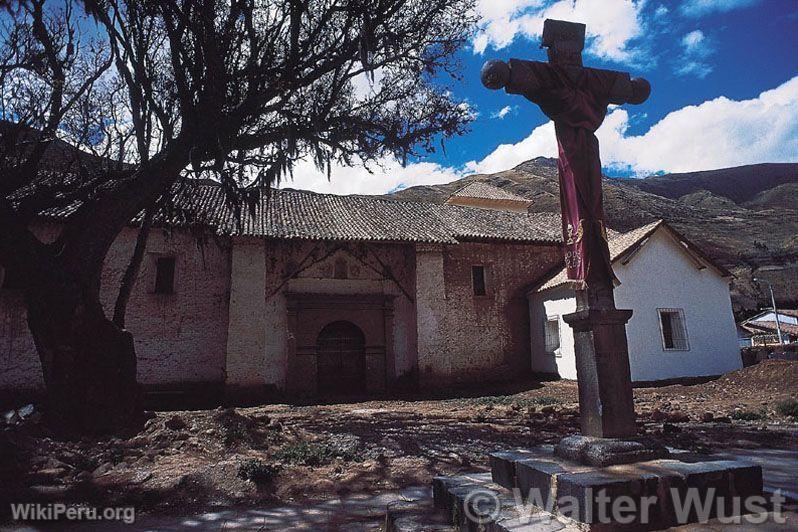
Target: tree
x,y
109,105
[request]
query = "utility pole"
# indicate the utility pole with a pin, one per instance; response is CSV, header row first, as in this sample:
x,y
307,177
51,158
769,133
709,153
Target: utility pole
x,y
775,310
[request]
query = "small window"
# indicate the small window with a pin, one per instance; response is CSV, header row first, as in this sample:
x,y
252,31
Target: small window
x,y
340,269
478,280
165,275
673,329
552,332
13,279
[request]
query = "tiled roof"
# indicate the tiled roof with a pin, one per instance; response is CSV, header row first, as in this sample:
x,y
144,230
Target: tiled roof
x,y
482,190
619,244
770,327
295,214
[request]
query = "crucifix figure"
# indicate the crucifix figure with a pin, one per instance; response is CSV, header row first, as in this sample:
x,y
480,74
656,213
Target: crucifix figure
x,y
576,99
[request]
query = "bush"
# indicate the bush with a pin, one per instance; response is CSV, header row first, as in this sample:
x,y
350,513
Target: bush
x,y
742,415
313,454
234,428
257,471
545,400
508,400
788,408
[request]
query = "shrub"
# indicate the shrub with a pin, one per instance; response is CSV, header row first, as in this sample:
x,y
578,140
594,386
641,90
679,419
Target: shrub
x,y
545,400
313,454
508,400
234,428
742,415
788,408
257,471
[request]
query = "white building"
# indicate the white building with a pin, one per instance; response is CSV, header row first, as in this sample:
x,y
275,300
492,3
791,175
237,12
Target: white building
x,y
682,324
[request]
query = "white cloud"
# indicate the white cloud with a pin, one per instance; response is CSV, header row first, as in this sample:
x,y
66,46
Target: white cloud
x,y
504,111
696,48
694,42
696,68
717,133
699,8
541,143
612,25
388,176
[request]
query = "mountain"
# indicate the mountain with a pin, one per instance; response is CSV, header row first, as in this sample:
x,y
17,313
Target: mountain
x,y
746,217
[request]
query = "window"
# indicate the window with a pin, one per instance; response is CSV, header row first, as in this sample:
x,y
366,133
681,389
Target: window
x,y
478,280
673,329
13,279
340,269
164,275
552,332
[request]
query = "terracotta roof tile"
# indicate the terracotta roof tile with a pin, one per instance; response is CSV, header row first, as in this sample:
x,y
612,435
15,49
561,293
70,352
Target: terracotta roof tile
x,y
295,214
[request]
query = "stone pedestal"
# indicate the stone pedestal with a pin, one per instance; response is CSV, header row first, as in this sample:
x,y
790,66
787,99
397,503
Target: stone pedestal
x,y
606,407
601,452
535,489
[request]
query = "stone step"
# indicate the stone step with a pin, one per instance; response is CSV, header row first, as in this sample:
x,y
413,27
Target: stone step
x,y
412,516
586,494
474,503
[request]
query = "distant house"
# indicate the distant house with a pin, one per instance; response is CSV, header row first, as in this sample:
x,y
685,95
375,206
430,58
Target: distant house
x,y
486,196
761,328
682,324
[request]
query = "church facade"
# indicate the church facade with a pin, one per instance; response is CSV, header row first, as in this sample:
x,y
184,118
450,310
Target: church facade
x,y
313,294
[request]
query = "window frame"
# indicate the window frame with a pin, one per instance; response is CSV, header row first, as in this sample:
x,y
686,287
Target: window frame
x,y
557,351
156,261
680,313
485,288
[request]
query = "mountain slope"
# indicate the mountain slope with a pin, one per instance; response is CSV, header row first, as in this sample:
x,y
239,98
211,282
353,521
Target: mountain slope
x,y
745,217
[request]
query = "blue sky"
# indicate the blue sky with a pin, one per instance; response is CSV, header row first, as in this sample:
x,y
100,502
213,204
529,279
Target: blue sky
x,y
724,76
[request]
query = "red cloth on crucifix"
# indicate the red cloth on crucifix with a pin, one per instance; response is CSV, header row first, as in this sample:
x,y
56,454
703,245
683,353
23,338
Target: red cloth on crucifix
x,y
576,100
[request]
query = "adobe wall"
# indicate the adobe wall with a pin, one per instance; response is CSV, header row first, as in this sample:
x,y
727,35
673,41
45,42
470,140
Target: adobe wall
x,y
487,332
180,338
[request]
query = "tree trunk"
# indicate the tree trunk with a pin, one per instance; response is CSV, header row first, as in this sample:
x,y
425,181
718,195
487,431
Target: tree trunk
x,y
89,363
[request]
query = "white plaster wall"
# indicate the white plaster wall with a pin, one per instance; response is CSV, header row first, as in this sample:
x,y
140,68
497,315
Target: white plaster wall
x,y
431,311
557,302
660,275
246,338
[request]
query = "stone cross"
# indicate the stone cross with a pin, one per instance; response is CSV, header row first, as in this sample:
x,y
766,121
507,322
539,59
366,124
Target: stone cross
x,y
576,99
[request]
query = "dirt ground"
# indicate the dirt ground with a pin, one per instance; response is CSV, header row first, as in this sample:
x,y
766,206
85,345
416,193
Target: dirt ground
x,y
196,460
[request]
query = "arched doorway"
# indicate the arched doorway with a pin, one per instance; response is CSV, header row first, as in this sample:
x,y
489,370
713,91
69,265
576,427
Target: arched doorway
x,y
341,349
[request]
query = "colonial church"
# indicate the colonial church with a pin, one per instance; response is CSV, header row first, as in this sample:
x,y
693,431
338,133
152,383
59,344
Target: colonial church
x,y
314,294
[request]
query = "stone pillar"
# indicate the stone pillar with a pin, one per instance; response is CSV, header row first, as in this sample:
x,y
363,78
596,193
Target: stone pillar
x,y
246,335
430,312
606,405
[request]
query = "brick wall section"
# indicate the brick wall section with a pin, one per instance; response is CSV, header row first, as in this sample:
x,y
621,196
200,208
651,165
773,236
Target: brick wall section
x,y
440,327
180,338
484,332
